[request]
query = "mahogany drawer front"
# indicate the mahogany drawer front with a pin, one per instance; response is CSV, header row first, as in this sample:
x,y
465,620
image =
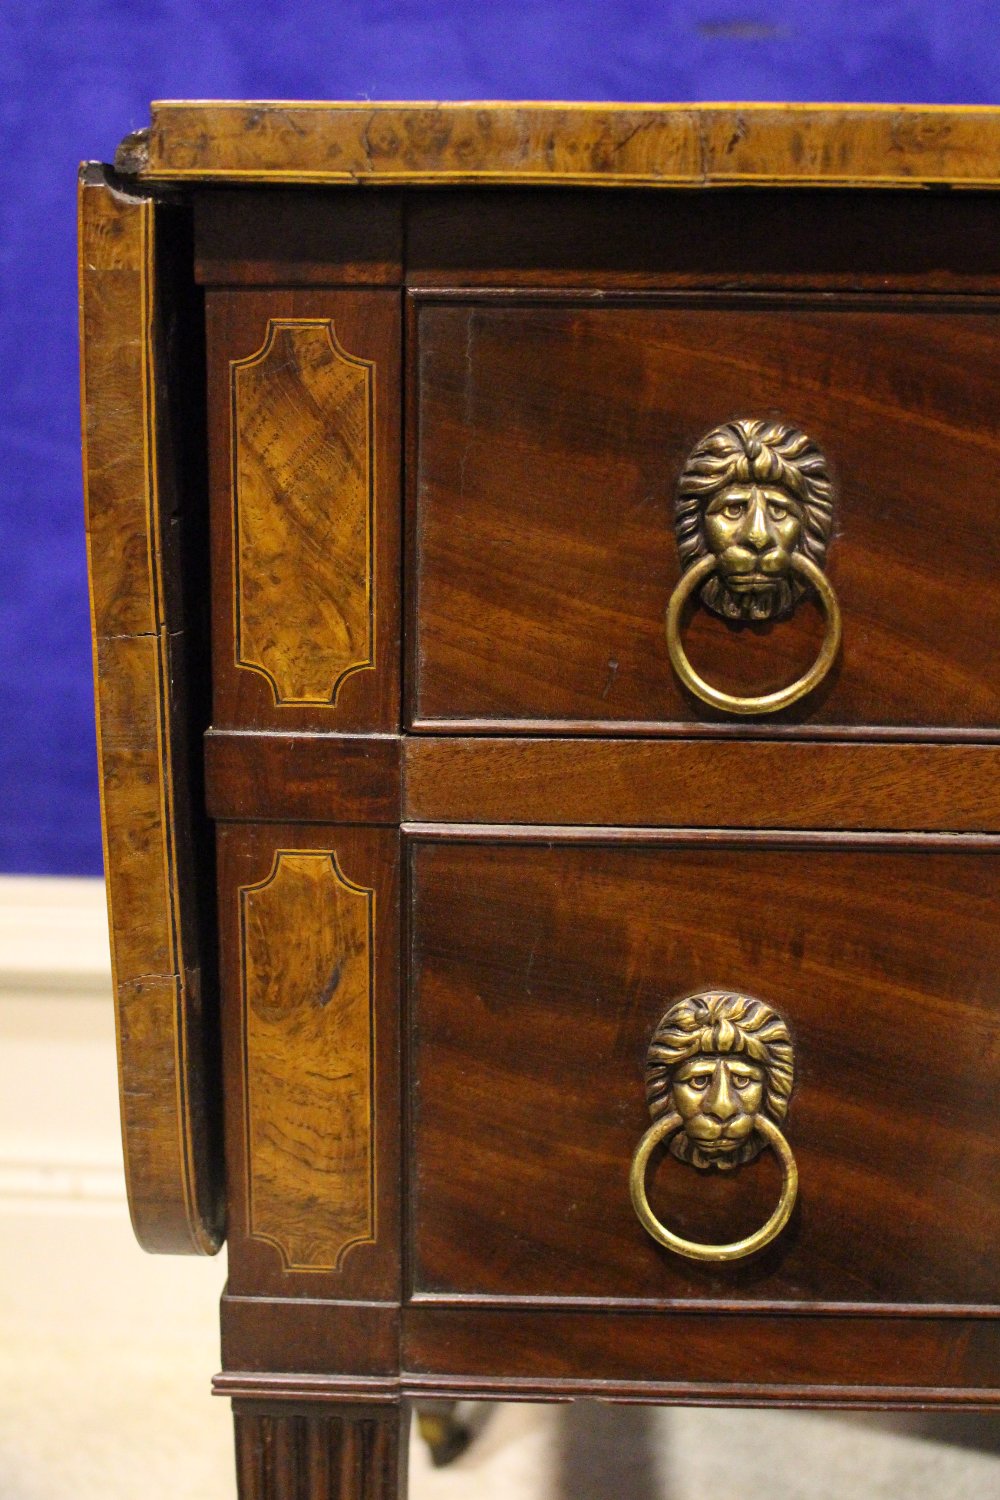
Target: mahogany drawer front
x,y
538,972
551,430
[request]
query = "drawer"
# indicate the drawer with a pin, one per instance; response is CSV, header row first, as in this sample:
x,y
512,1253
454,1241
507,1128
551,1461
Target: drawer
x,y
539,972
553,431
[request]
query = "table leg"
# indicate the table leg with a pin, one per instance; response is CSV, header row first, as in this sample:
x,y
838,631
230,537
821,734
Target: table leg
x,y
320,1451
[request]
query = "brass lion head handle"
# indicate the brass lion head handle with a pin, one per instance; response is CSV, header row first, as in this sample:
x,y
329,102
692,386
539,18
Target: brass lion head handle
x,y
753,519
719,1073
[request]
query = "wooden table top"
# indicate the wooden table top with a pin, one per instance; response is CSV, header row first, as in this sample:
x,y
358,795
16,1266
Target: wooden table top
x,y
588,145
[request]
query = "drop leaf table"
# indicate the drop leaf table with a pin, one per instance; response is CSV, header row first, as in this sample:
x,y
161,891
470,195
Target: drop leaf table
x,y
547,640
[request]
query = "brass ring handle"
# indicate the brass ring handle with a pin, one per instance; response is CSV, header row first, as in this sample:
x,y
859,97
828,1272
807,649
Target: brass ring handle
x,y
662,1130
765,703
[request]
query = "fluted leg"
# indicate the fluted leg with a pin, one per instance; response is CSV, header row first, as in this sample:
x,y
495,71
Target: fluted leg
x,y
321,1451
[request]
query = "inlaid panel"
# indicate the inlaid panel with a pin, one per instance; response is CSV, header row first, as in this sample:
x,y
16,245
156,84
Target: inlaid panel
x,y
309,958
308,1006
303,476
303,450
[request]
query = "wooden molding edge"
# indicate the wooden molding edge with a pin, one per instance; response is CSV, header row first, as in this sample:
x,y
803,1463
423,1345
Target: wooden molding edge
x,y
588,145
247,1385
163,1018
672,783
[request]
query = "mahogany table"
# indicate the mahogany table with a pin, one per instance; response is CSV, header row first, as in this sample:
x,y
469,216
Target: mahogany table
x,y
548,677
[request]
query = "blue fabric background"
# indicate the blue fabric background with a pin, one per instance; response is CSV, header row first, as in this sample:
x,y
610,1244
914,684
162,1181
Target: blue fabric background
x,y
76,77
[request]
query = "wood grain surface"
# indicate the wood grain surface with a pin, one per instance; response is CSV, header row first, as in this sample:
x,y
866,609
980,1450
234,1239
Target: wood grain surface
x,y
552,432
538,974
534,1355
307,941
304,453
597,144
138,431
245,237
791,238
309,1335
253,776
760,1359
304,487
637,782
309,935
685,783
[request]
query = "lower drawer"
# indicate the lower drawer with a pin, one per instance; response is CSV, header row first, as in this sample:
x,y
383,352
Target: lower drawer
x,y
539,969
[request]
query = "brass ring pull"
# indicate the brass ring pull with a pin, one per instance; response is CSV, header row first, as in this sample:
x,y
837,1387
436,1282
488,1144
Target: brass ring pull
x,y
667,1126
765,703
719,1073
753,519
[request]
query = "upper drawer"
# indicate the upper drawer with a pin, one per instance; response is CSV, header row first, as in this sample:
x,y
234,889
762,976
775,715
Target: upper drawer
x,y
552,432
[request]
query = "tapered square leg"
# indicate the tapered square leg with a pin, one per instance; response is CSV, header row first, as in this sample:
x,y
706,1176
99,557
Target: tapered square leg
x,y
320,1451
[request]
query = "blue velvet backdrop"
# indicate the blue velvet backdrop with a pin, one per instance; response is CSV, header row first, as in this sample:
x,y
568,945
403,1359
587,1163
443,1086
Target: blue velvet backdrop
x,y
76,77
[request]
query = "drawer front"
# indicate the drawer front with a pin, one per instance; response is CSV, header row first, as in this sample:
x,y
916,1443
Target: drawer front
x,y
552,435
539,971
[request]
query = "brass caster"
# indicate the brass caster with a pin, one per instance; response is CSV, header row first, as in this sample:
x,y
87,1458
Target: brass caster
x,y
446,1437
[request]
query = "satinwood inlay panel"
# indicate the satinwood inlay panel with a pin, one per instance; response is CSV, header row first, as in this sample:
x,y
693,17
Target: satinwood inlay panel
x,y
308,968
303,482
